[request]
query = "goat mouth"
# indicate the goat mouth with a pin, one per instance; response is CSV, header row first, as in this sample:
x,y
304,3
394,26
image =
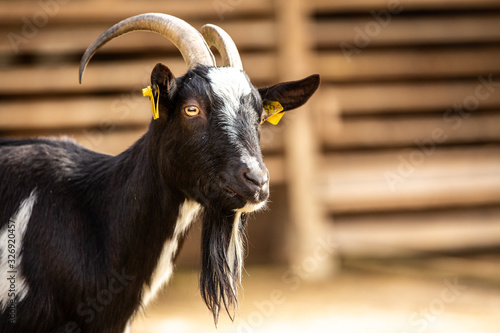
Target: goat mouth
x,y
242,203
230,192
253,199
232,199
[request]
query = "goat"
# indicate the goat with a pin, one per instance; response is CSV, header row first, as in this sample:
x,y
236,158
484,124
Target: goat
x,y
88,239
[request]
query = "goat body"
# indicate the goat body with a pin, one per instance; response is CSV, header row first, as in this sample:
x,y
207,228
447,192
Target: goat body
x,y
87,239
92,218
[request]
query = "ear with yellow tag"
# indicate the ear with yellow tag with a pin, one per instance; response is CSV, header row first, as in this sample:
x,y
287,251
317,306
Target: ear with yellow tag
x,y
274,112
148,92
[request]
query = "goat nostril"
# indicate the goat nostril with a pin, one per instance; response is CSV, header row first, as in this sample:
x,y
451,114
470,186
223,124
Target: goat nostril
x,y
258,179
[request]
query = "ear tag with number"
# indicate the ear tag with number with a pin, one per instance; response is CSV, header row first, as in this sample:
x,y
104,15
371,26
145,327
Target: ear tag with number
x,y
274,111
148,92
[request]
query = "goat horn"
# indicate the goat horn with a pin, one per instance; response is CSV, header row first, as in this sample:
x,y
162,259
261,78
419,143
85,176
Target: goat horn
x,y
187,39
219,39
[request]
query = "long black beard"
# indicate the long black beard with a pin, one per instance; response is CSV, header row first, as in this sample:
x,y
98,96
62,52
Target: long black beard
x,y
222,260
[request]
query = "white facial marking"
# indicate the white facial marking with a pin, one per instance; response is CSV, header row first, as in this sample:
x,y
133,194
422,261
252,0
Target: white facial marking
x,y
253,165
229,84
250,161
11,239
187,213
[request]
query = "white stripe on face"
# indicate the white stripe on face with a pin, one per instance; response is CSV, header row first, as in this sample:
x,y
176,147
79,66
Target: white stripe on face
x,y
12,282
251,162
229,84
231,87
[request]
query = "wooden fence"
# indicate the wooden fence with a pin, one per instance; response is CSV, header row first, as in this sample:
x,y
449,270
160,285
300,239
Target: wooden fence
x,y
397,154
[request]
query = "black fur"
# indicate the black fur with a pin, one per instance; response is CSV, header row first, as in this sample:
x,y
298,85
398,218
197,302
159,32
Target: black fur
x,y
216,280
100,222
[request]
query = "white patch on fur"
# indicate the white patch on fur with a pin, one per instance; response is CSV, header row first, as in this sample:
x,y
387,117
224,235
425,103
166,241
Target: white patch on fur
x,y
19,223
187,213
251,162
229,84
235,250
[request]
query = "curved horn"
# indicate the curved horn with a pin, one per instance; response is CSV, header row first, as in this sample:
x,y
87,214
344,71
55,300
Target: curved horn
x,y
219,39
187,39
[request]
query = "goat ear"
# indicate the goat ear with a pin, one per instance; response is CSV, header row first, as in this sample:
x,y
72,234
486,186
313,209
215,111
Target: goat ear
x,y
162,77
291,94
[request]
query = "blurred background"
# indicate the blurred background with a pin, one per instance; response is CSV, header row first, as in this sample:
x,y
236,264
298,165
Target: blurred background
x,y
384,212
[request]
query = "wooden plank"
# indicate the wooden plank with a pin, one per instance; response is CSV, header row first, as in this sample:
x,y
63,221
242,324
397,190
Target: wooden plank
x,y
371,132
340,6
106,140
111,76
474,268
81,112
418,178
406,31
416,233
76,38
99,76
112,11
404,97
408,64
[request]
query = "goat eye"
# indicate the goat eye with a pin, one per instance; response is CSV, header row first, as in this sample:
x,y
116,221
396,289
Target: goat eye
x,y
191,110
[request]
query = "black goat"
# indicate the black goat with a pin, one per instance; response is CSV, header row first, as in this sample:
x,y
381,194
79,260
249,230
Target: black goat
x,y
86,239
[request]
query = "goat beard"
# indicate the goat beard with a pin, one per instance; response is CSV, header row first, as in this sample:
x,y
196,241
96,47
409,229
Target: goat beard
x,y
222,260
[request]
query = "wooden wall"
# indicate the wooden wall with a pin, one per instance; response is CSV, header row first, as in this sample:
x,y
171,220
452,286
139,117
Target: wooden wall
x,y
409,126
397,154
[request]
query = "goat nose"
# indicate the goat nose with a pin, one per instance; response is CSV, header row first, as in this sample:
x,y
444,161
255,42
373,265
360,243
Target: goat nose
x,y
258,177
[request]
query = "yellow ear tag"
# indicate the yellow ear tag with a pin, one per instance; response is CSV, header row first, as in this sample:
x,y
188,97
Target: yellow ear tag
x,y
274,111
148,92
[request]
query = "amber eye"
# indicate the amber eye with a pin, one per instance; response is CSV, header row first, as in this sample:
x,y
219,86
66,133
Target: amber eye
x,y
191,110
